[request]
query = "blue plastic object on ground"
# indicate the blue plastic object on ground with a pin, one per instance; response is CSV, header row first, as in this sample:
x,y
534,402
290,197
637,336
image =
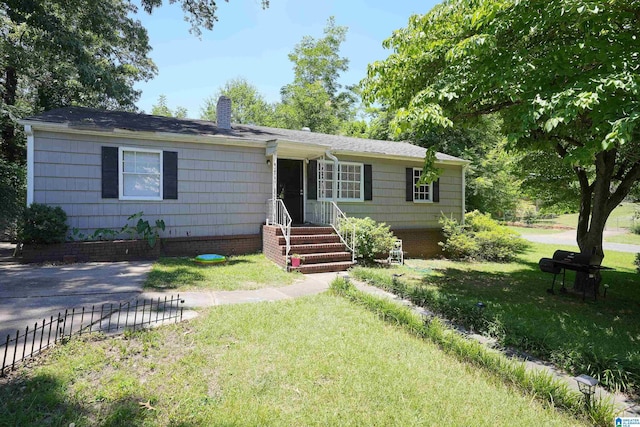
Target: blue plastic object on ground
x,y
210,259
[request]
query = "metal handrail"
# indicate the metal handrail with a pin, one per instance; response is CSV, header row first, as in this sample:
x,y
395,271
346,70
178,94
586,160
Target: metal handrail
x,y
279,215
339,221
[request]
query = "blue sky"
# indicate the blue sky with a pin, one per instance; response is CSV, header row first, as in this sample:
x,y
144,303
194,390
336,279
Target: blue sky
x,y
254,43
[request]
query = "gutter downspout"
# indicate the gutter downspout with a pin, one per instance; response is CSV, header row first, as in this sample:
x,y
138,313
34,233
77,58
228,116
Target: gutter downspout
x,y
334,181
30,153
464,196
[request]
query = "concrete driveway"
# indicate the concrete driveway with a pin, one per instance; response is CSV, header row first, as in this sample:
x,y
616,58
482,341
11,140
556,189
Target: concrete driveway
x,y
29,293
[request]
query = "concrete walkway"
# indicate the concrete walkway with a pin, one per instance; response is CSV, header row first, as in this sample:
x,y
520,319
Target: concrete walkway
x,y
311,284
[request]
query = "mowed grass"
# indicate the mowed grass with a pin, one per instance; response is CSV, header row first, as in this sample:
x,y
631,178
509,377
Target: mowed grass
x,y
242,272
313,361
628,238
621,217
601,338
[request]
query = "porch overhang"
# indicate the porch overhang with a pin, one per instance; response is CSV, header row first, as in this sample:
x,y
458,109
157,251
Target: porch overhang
x,y
295,150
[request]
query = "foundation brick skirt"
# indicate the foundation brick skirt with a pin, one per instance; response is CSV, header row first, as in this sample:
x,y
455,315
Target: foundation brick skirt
x,y
135,250
420,242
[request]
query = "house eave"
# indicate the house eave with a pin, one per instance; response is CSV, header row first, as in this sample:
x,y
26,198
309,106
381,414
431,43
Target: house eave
x,y
143,135
411,159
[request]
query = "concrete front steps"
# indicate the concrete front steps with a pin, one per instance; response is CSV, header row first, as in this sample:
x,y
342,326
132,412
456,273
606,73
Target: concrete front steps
x,y
320,247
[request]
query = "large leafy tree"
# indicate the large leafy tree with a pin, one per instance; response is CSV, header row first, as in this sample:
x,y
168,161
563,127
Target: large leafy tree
x,y
248,106
314,99
563,74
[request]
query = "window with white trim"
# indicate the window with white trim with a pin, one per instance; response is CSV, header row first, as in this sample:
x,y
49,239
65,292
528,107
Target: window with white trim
x,y
424,192
350,181
140,171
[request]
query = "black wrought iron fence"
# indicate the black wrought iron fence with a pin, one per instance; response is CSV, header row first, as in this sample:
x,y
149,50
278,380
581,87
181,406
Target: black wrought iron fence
x,y
107,318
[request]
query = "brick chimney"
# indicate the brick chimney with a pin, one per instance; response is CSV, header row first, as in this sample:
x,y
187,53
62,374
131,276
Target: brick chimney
x,y
223,112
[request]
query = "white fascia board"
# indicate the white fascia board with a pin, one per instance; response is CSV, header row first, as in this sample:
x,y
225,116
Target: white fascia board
x,y
149,136
460,162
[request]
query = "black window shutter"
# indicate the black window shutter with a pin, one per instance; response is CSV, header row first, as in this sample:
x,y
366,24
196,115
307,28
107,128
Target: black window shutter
x,y
170,175
110,189
368,183
312,180
436,190
410,185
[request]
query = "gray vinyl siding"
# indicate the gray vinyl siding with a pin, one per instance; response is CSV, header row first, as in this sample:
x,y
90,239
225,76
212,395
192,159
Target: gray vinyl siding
x,y
389,204
222,190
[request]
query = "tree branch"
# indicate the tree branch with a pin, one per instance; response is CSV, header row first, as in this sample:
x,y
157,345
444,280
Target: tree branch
x,y
626,183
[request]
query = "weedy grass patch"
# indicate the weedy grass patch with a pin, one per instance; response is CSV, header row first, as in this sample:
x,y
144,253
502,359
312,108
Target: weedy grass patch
x,y
242,272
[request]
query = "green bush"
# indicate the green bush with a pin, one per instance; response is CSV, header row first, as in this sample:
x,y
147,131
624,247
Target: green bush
x,y
637,263
372,238
43,224
12,191
480,238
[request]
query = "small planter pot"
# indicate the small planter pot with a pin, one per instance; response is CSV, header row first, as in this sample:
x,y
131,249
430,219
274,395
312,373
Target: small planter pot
x,y
295,262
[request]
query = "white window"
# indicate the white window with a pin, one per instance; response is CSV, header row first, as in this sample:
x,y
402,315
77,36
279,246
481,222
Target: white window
x,y
424,192
350,181
140,173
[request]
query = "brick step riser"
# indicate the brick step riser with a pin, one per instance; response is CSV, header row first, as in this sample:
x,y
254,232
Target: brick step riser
x,y
308,231
324,258
297,231
323,268
309,240
315,249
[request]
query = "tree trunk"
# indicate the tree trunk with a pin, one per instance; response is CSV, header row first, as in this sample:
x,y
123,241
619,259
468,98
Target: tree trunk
x,y
595,207
9,146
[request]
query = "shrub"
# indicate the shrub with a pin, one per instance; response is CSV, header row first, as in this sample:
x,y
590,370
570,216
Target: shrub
x,y
637,263
43,224
372,238
12,191
480,238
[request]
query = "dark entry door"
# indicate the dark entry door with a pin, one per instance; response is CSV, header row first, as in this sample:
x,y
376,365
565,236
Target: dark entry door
x,y
290,188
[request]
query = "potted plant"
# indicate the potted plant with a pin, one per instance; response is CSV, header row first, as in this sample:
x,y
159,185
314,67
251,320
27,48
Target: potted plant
x,y
296,260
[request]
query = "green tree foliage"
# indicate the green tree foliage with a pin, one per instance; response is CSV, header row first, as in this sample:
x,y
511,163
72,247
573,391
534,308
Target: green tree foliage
x,y
314,99
561,73
162,109
306,105
248,106
64,52
12,183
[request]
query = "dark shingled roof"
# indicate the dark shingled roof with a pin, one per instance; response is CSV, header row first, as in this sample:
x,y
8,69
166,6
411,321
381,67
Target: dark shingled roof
x,y
93,119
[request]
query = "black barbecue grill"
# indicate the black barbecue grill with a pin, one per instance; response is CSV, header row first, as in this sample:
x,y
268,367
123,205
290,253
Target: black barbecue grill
x,y
586,266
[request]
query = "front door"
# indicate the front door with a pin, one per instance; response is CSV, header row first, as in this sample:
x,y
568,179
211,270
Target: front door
x,y
290,189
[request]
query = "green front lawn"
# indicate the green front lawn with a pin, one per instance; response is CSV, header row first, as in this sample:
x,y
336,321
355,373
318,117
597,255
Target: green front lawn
x,y
601,338
313,361
240,272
